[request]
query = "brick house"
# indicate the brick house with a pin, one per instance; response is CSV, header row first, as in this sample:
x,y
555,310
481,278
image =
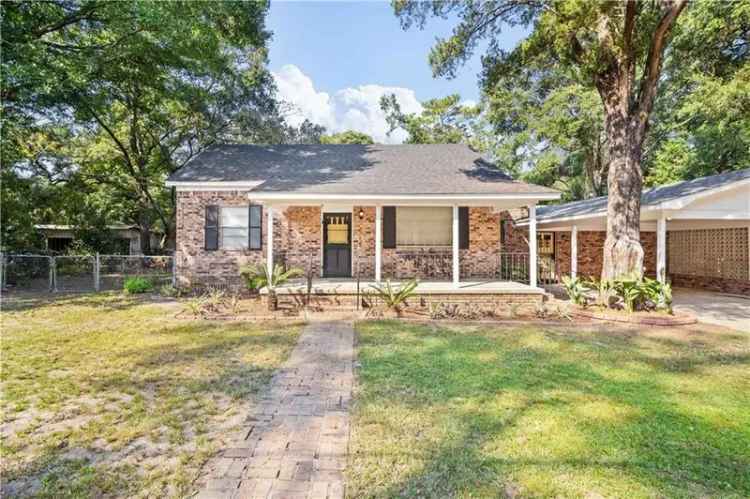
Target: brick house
x,y
695,233
434,212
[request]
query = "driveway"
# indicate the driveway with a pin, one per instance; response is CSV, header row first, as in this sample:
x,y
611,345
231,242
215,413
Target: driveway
x,y
715,308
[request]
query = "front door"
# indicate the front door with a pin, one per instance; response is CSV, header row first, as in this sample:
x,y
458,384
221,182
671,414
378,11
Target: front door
x,y
337,244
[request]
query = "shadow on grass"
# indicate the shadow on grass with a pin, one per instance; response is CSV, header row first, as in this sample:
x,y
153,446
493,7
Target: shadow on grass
x,y
172,386
105,300
668,447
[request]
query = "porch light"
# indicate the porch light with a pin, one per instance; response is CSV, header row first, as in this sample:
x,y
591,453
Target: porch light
x,y
361,214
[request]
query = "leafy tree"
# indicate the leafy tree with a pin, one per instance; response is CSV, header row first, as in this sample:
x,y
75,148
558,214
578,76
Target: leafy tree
x,y
442,121
617,46
701,121
549,130
140,88
347,137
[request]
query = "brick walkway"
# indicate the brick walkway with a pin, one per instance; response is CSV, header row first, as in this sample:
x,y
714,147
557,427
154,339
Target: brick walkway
x,y
294,444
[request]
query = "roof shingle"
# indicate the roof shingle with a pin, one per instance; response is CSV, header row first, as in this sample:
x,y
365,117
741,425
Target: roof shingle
x,y
354,169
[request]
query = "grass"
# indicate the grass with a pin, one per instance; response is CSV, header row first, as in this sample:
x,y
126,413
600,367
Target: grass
x,y
110,395
549,411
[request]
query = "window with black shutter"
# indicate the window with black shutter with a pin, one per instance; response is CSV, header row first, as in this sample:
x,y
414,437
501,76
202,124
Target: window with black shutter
x,y
255,241
211,228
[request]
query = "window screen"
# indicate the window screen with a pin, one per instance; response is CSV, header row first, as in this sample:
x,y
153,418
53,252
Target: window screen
x,y
234,227
424,226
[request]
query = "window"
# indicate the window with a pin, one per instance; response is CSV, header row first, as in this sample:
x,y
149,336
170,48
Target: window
x,y
234,227
424,226
545,242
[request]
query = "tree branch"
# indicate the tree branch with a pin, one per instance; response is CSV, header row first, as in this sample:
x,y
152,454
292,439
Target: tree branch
x,y
650,79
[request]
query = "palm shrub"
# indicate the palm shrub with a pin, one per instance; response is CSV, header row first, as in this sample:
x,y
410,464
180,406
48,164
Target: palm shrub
x,y
631,291
394,297
576,290
657,294
261,276
605,292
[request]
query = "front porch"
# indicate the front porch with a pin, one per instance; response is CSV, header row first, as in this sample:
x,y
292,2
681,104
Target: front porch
x,y
447,247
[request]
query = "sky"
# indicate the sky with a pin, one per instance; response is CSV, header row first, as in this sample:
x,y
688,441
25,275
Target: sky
x,y
334,60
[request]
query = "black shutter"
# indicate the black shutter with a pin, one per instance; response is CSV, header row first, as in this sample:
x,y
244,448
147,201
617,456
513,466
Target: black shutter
x,y
463,227
254,230
389,226
211,229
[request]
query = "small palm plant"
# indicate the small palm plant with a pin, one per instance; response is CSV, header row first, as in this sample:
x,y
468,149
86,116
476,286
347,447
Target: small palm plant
x,y
261,276
394,297
576,290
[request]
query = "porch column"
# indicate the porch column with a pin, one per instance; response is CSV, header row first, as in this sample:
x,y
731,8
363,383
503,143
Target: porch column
x,y
532,245
661,248
454,240
574,252
269,239
378,240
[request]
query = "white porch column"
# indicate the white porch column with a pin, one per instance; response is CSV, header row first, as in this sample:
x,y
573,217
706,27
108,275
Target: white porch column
x,y
574,251
378,240
269,239
456,266
661,248
532,245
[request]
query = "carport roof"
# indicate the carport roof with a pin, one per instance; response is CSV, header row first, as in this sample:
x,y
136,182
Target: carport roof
x,y
651,198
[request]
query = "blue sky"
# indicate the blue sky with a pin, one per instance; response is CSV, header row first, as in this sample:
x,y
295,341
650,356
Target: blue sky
x,y
333,60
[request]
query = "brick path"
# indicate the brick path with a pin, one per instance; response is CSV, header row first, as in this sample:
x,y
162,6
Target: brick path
x,y
294,444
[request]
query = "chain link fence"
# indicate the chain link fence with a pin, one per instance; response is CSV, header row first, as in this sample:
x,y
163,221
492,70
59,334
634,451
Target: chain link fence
x,y
81,273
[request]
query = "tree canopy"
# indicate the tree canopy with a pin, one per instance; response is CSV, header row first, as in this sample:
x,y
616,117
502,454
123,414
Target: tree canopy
x,y
347,137
108,98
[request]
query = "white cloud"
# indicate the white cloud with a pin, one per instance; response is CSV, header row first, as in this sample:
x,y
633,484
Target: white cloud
x,y
351,108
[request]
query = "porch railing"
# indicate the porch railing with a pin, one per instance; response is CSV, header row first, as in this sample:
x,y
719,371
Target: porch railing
x,y
428,265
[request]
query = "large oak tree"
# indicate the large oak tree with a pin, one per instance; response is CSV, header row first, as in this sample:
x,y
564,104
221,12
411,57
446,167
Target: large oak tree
x,y
617,46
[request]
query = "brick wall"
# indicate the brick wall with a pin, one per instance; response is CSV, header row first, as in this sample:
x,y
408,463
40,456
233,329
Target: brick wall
x,y
297,234
194,264
734,286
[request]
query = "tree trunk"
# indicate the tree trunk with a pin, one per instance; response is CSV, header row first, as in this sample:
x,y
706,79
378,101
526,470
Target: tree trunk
x,y
623,254
145,231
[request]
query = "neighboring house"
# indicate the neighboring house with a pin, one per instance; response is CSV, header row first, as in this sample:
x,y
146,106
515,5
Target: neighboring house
x,y
342,211
695,233
127,238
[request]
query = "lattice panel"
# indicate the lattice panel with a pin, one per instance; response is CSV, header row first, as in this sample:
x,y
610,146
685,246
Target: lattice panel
x,y
709,253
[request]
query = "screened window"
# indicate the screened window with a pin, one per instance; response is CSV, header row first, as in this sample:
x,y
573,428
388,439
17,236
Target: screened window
x,y
234,227
424,226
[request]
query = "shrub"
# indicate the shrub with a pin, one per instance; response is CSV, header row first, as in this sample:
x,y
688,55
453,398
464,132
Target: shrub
x,y
576,290
136,285
395,297
260,276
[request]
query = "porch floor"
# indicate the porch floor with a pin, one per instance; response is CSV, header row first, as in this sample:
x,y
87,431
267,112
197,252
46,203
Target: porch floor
x,y
349,286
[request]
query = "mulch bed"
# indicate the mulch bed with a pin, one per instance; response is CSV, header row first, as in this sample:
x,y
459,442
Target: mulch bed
x,y
642,318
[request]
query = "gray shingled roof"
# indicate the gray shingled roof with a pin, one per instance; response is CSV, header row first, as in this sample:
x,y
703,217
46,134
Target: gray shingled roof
x,y
651,197
354,169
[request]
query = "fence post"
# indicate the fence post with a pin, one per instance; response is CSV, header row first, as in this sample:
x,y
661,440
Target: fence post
x,y
2,271
96,272
174,269
52,274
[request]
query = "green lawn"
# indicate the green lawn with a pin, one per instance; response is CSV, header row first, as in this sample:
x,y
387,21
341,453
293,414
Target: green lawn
x,y
544,411
112,395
